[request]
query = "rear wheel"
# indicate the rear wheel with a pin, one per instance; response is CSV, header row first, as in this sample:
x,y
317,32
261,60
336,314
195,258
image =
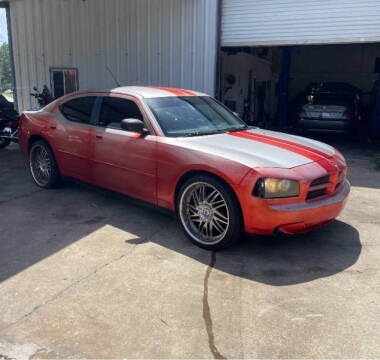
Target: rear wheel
x,y
4,142
43,165
209,213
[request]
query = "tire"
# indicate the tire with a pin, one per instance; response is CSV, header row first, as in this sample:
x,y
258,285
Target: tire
x,y
209,213
43,166
4,143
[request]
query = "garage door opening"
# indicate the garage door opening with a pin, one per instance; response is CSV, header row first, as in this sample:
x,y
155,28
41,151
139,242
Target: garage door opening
x,y
275,87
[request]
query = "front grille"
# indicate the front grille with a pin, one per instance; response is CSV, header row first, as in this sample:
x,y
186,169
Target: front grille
x,y
321,180
315,193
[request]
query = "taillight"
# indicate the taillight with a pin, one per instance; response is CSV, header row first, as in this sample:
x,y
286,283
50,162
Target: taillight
x,y
302,113
347,115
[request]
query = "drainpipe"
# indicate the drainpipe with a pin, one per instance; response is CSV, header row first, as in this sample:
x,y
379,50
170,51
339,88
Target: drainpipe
x,y
218,70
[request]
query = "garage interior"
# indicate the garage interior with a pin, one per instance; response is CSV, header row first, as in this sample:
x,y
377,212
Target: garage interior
x,y
265,84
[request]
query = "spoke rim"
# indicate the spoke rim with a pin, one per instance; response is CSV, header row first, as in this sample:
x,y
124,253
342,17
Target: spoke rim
x,y
204,213
40,165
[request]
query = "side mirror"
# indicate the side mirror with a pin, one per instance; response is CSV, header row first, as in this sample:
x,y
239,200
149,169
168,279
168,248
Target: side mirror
x,y
134,125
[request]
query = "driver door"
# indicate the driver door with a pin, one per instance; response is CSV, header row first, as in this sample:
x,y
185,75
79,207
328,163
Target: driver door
x,y
123,161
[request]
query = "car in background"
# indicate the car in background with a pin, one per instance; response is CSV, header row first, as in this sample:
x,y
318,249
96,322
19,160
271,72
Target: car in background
x,y
186,152
330,106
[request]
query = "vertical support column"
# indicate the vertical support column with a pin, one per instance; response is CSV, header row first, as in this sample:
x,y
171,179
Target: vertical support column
x,y
283,87
375,121
219,58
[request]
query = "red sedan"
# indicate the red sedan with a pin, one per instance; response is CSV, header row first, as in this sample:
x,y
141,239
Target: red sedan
x,y
184,151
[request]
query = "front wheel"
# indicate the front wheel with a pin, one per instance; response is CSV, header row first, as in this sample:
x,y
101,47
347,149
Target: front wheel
x,y
209,213
4,142
43,165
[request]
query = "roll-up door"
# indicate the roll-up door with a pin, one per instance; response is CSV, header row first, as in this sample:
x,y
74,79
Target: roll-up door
x,y
287,22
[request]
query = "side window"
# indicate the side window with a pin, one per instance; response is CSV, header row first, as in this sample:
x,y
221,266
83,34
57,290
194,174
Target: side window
x,y
115,109
79,109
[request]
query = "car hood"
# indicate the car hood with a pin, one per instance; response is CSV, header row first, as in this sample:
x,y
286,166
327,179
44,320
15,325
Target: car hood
x,y
261,148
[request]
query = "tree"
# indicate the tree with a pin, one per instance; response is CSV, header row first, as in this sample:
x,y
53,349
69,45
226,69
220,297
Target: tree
x,y
5,68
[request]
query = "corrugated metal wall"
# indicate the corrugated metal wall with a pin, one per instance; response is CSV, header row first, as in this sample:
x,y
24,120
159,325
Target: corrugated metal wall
x,y
280,22
155,42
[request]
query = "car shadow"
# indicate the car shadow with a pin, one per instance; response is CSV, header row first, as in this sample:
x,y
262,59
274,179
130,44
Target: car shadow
x,y
39,223
279,261
272,260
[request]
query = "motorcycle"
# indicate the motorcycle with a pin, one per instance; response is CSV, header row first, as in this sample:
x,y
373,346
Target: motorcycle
x,y
44,98
9,117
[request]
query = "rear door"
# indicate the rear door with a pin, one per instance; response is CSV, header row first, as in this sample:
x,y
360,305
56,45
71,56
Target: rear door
x,y
124,161
74,135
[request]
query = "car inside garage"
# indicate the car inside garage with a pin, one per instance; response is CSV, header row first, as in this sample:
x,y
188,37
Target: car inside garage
x,y
283,64
273,86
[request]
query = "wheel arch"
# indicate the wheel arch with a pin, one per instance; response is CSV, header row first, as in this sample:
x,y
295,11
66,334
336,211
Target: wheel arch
x,y
36,137
192,173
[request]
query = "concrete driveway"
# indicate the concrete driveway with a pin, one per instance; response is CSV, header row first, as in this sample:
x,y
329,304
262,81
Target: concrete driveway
x,y
86,273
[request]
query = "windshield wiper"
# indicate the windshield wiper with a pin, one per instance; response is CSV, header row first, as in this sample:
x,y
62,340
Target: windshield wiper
x,y
199,133
240,129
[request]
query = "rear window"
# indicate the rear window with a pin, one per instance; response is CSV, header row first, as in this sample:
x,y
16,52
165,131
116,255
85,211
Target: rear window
x,y
79,109
330,99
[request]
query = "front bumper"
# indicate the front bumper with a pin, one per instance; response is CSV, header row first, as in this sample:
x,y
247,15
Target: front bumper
x,y
292,218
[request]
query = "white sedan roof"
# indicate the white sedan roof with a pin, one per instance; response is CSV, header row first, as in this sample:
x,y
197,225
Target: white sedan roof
x,y
155,91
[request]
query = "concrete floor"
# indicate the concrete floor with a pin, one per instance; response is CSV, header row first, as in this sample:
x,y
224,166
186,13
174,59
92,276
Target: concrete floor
x,y
85,273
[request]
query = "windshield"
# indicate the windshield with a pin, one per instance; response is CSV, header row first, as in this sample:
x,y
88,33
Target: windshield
x,y
193,116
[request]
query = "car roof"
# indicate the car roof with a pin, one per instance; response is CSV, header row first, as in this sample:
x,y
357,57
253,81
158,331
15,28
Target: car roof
x,y
136,91
332,87
154,91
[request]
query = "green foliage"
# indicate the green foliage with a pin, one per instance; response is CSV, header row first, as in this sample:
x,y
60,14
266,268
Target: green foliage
x,y
377,161
5,68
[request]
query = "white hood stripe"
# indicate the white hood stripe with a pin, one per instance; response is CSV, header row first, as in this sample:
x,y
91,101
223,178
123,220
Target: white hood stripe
x,y
303,150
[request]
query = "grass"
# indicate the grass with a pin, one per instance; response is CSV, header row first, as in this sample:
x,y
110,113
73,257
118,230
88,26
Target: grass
x,y
10,95
377,161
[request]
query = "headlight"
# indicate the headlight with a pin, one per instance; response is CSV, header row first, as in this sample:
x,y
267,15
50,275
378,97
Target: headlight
x,y
276,188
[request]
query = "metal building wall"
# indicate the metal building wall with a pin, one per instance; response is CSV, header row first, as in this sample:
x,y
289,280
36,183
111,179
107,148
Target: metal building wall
x,y
155,42
282,22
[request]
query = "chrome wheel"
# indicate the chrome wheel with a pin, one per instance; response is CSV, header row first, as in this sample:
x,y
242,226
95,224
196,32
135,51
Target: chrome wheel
x,y
204,213
40,165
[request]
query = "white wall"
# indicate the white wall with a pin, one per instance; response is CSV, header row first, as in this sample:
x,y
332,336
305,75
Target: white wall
x,y
147,42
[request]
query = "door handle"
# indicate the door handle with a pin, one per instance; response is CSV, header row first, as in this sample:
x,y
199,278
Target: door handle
x,y
99,136
53,127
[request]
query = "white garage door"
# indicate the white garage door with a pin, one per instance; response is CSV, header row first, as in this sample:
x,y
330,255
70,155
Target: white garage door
x,y
282,22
